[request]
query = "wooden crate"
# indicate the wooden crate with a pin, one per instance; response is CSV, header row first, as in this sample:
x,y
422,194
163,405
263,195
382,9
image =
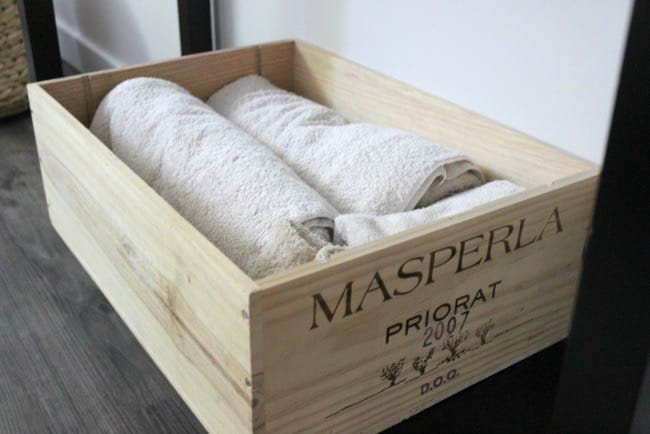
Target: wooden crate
x,y
359,343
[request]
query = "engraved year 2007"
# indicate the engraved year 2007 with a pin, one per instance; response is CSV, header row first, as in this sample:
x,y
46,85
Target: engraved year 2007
x,y
433,334
445,319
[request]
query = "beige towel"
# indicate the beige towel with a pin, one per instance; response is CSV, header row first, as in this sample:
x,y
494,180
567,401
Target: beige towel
x,y
228,185
357,229
359,168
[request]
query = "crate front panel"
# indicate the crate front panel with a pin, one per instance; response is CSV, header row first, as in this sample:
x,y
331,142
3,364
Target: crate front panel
x,y
366,344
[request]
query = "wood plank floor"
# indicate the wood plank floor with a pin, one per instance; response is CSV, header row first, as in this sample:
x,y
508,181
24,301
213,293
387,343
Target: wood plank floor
x,y
69,365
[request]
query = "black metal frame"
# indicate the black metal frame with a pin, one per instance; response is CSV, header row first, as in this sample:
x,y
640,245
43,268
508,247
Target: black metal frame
x,y
195,19
41,42
195,24
607,350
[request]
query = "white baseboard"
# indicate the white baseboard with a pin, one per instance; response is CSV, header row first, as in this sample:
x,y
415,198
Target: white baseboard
x,y
81,52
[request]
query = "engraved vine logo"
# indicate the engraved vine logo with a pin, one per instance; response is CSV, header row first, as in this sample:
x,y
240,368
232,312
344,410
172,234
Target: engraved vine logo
x,y
420,362
429,370
392,371
453,345
482,331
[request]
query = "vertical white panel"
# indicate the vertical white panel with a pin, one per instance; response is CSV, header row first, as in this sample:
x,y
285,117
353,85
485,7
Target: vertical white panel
x,y
98,34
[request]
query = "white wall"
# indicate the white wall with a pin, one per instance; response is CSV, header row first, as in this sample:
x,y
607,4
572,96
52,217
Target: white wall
x,y
548,68
100,34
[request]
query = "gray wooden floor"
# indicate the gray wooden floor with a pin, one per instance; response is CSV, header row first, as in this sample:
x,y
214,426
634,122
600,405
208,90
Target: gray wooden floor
x,y
67,362
69,365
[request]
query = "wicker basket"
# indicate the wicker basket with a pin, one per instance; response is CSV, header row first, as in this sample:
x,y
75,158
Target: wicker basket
x,y
13,64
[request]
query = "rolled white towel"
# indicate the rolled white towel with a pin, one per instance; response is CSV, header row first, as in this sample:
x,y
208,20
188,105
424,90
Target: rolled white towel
x,y
358,167
357,229
231,187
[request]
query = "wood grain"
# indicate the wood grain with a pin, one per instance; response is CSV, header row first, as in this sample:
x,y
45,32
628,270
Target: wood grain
x,y
364,95
328,379
73,93
276,63
182,298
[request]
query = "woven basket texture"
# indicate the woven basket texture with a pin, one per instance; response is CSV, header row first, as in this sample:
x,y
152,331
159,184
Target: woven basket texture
x,y
13,63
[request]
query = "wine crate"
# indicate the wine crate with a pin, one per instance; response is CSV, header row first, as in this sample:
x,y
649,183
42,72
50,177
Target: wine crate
x,y
356,344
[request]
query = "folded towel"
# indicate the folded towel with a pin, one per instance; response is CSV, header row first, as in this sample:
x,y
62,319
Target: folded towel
x,y
358,167
231,187
357,229
293,243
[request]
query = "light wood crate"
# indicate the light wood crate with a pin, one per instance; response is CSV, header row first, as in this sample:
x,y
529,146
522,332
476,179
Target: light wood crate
x,y
362,342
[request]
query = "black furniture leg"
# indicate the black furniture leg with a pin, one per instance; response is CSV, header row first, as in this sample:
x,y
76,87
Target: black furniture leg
x,y
607,350
41,42
195,26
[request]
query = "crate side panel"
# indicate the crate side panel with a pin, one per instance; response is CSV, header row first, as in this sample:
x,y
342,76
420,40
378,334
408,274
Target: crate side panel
x,y
201,74
421,321
361,94
276,63
184,300
73,93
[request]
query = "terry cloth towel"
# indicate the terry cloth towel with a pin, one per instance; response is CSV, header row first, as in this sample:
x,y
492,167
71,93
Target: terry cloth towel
x,y
357,229
231,187
358,167
293,243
